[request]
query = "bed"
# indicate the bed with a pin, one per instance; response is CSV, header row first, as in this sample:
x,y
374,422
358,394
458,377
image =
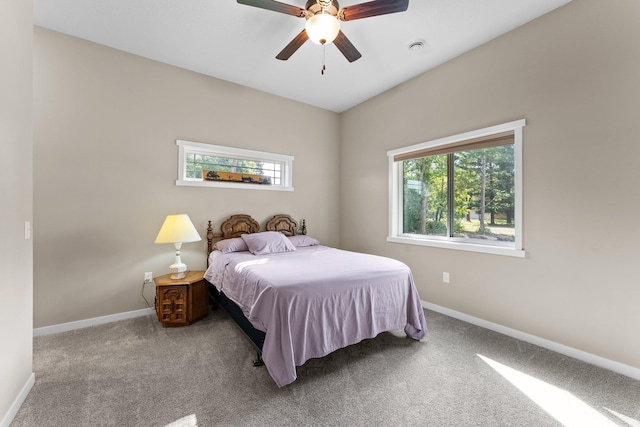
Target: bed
x,y
297,299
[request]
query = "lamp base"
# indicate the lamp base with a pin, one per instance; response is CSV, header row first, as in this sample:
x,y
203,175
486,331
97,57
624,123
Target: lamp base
x,y
178,276
177,270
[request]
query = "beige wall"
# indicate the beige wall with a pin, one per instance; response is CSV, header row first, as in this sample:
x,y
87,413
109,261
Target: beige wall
x,y
574,76
105,162
105,166
16,193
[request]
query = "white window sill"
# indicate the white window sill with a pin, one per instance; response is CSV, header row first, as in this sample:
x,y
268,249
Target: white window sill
x,y
220,184
461,246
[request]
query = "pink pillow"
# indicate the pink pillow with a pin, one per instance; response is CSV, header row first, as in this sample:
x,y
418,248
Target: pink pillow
x,y
303,240
235,244
267,242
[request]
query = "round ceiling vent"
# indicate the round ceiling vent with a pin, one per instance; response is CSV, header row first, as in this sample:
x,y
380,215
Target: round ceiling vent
x,y
416,45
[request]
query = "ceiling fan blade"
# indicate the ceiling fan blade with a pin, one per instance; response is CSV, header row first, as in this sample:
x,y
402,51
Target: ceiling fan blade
x,y
294,45
373,8
346,47
275,6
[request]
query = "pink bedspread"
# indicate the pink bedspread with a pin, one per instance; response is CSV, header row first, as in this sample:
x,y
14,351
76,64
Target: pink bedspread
x,y
316,300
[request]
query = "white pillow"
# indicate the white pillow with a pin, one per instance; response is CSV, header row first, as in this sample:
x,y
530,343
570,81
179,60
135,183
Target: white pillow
x,y
267,242
302,240
235,244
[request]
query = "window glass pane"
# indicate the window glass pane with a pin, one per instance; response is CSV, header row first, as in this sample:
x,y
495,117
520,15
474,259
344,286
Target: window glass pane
x,y
196,163
483,189
425,195
484,194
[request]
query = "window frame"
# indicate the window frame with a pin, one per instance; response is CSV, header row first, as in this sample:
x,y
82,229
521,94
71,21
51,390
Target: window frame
x,y
190,147
396,202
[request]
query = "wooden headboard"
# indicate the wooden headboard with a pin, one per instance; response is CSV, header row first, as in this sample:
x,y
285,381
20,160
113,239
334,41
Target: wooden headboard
x,y
282,223
237,225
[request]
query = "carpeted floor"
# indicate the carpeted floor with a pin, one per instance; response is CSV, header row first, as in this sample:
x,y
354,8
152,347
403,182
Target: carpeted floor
x,y
137,373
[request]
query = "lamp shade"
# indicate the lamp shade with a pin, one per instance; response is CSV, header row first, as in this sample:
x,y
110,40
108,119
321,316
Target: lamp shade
x,y
322,28
177,228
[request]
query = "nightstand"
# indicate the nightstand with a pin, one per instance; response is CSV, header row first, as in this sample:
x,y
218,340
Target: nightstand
x,y
183,301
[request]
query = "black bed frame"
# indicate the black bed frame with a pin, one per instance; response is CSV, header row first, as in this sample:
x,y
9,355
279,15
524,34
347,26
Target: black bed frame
x,y
255,336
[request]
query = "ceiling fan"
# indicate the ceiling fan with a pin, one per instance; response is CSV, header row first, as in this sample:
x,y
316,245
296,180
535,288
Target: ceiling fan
x,y
323,21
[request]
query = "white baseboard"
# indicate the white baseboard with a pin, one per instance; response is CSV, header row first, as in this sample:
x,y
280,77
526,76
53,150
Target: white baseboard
x,y
15,407
592,359
70,326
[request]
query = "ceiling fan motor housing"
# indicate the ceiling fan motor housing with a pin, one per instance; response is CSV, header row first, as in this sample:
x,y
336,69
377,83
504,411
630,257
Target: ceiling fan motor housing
x,y
315,6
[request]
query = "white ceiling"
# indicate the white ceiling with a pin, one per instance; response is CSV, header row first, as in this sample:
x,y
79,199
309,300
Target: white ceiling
x,y
238,43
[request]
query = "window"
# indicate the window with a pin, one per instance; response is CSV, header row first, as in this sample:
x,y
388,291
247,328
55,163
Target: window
x,y
209,165
460,192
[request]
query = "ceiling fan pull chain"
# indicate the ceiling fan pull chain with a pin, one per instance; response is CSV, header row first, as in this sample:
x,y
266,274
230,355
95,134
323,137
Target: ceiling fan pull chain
x,y
323,58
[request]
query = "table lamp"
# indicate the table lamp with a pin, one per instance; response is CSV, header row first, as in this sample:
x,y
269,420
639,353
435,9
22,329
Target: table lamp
x,y
177,229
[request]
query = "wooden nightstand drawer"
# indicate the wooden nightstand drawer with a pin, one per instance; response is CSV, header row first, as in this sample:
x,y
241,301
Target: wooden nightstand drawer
x,y
181,302
172,304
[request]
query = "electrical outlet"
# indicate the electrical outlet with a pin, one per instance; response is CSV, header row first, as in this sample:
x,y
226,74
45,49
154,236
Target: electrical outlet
x,y
148,277
445,277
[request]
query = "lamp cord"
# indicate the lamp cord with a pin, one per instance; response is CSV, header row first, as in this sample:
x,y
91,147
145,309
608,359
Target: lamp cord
x,y
143,297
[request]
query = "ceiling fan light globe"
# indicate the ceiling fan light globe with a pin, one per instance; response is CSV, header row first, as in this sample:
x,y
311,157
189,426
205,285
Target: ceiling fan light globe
x,y
322,28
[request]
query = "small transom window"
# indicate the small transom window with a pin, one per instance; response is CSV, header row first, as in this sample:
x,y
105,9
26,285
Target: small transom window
x,y
219,166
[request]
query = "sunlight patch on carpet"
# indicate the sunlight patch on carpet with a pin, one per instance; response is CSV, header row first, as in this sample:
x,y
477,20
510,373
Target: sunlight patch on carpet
x,y
559,403
631,421
188,421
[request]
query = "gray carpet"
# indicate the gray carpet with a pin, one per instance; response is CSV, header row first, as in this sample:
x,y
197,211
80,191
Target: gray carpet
x,y
137,373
